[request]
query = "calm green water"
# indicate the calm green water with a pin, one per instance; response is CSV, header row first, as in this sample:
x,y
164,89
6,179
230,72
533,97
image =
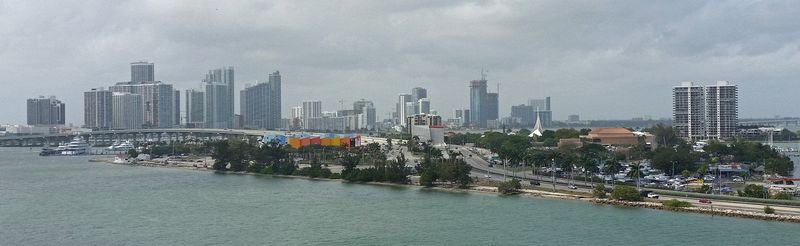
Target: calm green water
x,y
69,201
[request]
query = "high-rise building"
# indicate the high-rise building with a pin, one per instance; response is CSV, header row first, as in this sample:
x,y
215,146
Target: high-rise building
x,y
195,104
275,104
367,108
297,117
46,111
492,106
218,85
418,93
127,111
142,72
541,108
705,112
462,115
97,109
688,110
402,112
411,109
261,104
176,108
478,101
311,109
524,114
424,106
217,112
157,101
540,104
722,110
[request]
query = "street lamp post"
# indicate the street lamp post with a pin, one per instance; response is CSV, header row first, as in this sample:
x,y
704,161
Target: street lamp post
x,y
553,173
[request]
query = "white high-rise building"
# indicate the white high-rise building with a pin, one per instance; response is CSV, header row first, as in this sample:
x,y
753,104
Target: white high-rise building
x,y
157,101
722,112
97,109
688,110
705,112
127,111
402,110
311,109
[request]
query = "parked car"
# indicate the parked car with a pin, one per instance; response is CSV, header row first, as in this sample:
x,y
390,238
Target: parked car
x,y
572,186
652,195
705,201
535,183
738,179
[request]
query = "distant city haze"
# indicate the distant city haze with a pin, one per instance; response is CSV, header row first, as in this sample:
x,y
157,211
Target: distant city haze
x,y
595,59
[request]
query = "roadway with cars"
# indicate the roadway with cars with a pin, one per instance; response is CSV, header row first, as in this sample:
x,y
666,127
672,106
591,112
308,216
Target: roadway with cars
x,y
481,167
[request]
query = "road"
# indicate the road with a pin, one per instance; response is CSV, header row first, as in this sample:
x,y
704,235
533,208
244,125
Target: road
x,y
481,167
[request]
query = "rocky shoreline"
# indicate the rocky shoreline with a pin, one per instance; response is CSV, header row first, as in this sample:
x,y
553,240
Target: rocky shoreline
x,y
700,210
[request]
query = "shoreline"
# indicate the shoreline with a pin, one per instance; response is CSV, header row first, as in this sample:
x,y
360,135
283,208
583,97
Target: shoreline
x,y
493,190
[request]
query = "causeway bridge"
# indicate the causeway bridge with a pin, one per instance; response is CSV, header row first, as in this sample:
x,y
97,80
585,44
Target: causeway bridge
x,y
108,137
774,122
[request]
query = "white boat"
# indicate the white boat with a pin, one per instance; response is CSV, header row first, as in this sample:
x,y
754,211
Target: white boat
x,y
76,147
127,145
61,147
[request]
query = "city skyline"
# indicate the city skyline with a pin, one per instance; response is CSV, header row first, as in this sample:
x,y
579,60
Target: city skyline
x,y
625,64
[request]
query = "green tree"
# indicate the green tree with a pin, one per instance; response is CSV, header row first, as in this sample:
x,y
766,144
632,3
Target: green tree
x,y
599,191
221,155
625,193
753,190
133,153
509,187
778,165
666,136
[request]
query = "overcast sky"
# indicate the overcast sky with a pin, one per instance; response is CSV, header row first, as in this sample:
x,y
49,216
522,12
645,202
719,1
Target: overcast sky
x,y
598,59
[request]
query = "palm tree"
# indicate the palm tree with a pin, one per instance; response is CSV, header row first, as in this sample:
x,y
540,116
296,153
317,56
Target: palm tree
x,y
611,166
635,171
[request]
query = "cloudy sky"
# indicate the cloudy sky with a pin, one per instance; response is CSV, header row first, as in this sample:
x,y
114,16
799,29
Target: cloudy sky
x,y
598,59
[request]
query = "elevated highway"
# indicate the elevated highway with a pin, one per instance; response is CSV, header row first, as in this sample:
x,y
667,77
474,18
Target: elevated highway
x,y
108,137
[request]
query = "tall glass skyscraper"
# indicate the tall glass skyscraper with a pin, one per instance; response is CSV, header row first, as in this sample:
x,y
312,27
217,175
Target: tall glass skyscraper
x,y
142,72
218,88
260,106
478,101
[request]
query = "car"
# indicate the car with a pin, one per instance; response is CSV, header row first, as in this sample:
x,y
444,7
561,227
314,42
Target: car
x,y
490,165
487,176
652,195
572,187
705,201
738,179
535,183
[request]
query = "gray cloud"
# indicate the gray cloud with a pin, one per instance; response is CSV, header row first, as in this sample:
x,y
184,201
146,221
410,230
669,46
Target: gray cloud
x,y
599,59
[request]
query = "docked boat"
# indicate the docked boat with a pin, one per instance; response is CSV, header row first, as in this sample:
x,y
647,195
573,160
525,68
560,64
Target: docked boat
x,y
77,147
127,145
49,151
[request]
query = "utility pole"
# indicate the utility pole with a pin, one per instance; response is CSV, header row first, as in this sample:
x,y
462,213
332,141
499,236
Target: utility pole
x,y
553,173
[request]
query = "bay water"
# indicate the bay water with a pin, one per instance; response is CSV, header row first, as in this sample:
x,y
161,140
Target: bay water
x,y
70,201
